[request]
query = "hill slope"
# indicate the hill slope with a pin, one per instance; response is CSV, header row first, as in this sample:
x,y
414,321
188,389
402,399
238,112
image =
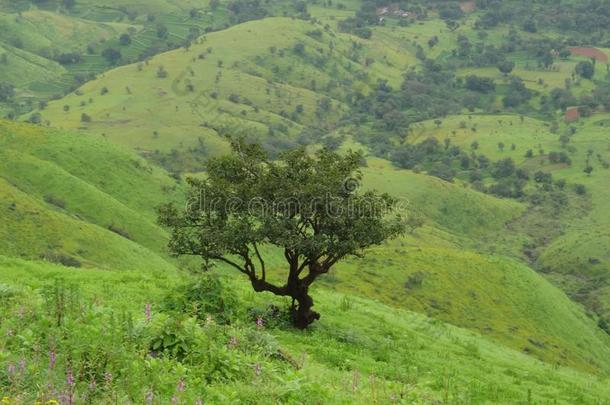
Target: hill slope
x,y
360,352
269,79
64,197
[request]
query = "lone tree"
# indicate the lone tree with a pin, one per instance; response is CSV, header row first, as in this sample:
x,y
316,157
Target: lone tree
x,y
506,66
307,207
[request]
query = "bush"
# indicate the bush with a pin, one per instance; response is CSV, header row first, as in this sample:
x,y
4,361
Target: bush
x,y
60,258
415,280
125,39
580,189
113,56
206,296
58,202
7,91
119,231
161,72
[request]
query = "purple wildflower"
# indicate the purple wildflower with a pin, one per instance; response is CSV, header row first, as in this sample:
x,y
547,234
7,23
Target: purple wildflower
x,y
148,313
259,322
180,385
70,378
52,359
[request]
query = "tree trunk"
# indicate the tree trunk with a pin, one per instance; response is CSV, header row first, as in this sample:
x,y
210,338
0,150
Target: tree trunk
x,y
303,315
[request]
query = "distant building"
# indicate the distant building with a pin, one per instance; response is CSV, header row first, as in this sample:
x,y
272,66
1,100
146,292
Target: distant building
x,y
392,11
572,114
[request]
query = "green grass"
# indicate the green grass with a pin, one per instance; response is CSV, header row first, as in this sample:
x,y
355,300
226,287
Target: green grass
x,y
62,194
579,255
360,351
270,87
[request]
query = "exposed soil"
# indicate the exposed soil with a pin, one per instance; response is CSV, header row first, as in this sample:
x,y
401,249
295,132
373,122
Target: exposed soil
x,y
590,53
468,6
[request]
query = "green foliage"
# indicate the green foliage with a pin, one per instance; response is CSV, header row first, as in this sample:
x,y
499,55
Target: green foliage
x,y
7,91
107,346
204,297
506,66
306,206
112,55
585,69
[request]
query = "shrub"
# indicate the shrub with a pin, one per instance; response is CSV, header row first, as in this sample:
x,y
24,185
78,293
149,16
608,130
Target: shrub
x,y
415,280
119,231
125,39
206,296
113,56
580,189
58,202
60,258
161,72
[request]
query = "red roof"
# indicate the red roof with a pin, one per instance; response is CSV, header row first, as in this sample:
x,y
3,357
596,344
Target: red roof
x,y
572,114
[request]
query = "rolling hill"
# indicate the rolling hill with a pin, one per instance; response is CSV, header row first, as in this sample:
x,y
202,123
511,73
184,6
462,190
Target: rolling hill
x,y
63,196
281,88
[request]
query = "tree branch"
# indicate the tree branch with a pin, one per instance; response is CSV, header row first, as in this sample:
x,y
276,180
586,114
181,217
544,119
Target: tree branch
x,y
232,263
260,259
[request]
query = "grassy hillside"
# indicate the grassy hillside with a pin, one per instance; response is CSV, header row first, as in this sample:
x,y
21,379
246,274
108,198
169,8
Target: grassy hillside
x,y
64,196
360,352
496,296
574,250
48,48
262,84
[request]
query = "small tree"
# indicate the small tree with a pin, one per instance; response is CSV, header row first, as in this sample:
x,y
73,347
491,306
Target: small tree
x,y
7,91
113,56
505,67
162,31
585,69
125,39
161,72
588,170
305,206
299,48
